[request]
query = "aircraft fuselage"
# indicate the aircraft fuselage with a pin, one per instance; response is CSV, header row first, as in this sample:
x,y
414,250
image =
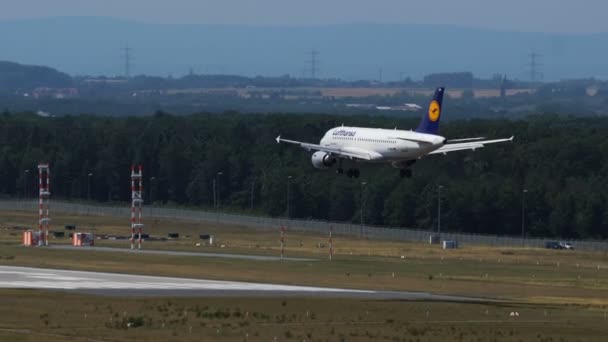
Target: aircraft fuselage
x,y
385,144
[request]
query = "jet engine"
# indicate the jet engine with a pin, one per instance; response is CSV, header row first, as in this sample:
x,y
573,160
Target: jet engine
x,y
322,160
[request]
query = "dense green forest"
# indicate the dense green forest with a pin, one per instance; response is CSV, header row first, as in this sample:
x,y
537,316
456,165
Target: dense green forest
x,y
562,162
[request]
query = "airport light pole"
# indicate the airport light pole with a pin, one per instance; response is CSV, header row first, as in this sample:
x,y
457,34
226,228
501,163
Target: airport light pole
x,y
523,216
252,192
362,202
219,175
69,183
439,187
25,174
214,195
89,186
288,195
152,181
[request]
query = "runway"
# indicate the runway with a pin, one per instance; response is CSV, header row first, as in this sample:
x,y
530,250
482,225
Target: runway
x,y
114,284
178,253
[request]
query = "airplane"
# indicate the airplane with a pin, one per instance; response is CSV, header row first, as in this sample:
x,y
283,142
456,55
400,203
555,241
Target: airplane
x,y
399,148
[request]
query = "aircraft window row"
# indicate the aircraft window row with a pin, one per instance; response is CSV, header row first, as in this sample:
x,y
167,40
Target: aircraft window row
x,y
378,140
368,140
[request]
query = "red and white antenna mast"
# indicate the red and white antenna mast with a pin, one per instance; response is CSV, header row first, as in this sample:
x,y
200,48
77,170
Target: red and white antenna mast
x,y
137,203
44,192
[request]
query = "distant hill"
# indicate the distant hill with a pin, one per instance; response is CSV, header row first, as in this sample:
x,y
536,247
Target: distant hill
x,y
14,76
92,46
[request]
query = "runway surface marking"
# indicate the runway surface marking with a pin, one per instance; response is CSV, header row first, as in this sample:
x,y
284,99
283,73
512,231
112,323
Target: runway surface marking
x,y
25,277
115,284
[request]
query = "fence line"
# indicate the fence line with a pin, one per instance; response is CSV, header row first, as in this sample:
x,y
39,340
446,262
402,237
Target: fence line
x,y
371,232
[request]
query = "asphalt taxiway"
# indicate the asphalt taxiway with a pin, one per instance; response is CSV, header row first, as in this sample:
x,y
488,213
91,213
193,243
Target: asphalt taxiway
x,y
114,284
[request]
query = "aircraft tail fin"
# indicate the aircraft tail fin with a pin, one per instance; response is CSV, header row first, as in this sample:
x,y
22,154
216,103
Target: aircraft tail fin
x,y
430,121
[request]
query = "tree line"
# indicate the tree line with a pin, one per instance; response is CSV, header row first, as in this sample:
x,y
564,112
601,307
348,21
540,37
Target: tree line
x,y
231,161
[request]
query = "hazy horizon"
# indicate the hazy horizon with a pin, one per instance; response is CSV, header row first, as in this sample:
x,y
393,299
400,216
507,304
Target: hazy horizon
x,y
546,16
92,46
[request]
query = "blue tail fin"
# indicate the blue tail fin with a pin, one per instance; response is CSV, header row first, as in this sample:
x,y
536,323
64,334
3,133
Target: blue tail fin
x,y
430,121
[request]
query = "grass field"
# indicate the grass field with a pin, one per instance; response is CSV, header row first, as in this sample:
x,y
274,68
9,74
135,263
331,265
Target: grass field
x,y
562,294
36,315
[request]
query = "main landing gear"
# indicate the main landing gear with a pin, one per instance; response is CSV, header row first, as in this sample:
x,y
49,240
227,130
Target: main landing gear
x,y
405,170
350,173
405,173
354,173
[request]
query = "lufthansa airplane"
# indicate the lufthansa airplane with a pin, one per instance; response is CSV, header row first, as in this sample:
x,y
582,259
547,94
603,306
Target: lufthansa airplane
x,y
398,148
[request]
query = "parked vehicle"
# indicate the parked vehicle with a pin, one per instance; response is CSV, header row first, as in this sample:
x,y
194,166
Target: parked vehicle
x,y
558,245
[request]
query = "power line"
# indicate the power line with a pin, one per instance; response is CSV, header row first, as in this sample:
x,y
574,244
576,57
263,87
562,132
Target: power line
x,y
314,63
535,66
127,60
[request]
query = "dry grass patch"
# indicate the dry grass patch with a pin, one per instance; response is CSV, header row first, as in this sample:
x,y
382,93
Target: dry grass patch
x,y
54,316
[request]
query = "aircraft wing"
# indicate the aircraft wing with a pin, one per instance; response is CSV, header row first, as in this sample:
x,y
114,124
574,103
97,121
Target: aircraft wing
x,y
472,145
351,153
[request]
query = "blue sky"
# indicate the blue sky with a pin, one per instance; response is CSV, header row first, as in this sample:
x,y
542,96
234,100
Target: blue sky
x,y
564,16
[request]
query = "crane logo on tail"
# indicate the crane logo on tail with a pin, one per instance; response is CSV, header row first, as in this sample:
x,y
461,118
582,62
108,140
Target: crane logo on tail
x,y
434,111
